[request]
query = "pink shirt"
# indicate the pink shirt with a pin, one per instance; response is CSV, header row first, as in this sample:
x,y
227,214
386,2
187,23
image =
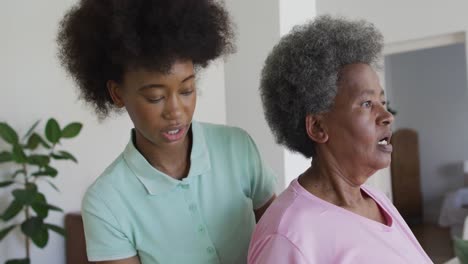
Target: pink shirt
x,y
302,228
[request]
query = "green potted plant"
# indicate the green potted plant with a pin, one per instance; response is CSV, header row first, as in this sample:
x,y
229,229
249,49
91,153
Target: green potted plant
x,y
33,155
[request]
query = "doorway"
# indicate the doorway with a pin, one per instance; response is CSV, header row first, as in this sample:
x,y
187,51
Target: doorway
x,y
427,87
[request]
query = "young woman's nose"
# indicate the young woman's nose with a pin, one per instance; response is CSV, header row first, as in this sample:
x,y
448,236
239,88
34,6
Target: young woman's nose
x,y
173,108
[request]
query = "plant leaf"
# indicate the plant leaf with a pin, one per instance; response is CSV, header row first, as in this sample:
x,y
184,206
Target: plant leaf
x,y
63,155
31,129
52,171
20,171
31,186
39,205
41,238
5,231
34,141
42,209
25,196
5,156
39,160
6,183
53,185
56,229
18,154
18,261
8,134
31,226
54,208
35,228
12,210
44,143
47,171
52,131
71,130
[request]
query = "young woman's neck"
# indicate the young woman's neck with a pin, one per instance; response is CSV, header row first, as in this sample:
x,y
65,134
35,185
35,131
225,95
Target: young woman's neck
x,y
173,161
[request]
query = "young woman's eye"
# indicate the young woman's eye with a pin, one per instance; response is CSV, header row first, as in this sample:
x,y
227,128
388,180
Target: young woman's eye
x,y
155,100
188,92
384,103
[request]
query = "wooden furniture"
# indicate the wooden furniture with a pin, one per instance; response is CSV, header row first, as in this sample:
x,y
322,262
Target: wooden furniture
x,y
407,197
435,240
75,241
455,260
406,185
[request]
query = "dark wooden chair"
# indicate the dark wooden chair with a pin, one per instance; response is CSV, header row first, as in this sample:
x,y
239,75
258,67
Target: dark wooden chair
x,y
407,196
75,241
406,185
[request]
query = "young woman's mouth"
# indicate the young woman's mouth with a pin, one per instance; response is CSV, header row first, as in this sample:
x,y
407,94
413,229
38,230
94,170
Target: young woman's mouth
x,y
174,133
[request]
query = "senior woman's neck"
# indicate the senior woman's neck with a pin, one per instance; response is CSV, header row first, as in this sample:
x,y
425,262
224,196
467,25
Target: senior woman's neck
x,y
330,182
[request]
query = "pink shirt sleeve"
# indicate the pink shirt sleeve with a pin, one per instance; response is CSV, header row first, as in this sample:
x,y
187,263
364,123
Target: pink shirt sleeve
x,y
276,249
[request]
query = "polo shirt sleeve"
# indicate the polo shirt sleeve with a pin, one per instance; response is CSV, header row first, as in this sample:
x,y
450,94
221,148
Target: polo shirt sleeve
x,y
104,237
262,179
276,249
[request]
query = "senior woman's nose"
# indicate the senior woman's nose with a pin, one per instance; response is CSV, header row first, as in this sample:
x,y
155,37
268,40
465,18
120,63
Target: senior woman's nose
x,y
386,118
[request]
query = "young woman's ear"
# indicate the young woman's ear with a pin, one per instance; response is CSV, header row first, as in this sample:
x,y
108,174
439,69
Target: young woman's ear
x,y
115,93
315,129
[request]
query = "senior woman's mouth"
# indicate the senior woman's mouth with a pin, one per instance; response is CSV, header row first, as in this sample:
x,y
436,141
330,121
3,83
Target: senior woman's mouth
x,y
384,144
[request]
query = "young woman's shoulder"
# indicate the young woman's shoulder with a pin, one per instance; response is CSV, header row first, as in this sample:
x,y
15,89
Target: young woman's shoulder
x,y
107,182
222,132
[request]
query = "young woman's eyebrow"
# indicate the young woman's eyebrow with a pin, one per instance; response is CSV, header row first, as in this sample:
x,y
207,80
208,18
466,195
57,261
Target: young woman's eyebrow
x,y
157,85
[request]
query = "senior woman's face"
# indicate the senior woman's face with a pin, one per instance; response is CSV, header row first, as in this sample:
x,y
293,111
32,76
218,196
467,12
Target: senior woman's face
x,y
359,123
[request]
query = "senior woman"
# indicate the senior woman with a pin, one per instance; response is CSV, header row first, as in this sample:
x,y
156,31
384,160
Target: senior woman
x,y
322,98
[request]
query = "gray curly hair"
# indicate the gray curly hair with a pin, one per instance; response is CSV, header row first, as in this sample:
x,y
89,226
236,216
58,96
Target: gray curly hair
x,y
300,74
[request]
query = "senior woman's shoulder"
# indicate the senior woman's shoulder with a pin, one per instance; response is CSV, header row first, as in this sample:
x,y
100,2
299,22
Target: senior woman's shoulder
x,y
292,212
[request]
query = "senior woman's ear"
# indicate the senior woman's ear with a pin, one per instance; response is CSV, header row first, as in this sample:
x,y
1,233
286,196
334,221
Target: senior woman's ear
x,y
315,128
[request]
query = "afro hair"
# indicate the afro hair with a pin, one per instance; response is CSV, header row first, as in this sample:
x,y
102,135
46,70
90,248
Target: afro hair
x,y
99,40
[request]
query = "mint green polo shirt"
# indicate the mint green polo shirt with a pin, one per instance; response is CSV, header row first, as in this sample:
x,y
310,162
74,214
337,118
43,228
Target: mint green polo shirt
x,y
207,217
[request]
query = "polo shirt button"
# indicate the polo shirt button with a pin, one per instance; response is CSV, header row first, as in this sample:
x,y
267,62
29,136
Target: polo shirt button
x,y
201,229
210,250
193,207
184,186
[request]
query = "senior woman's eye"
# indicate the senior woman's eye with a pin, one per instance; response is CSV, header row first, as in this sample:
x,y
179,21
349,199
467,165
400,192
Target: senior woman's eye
x,y
366,104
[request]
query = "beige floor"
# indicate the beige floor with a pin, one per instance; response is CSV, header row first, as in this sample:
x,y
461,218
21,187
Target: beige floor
x,y
435,240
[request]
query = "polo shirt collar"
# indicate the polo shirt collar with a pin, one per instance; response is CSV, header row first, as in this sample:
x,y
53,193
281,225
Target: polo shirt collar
x,y
157,182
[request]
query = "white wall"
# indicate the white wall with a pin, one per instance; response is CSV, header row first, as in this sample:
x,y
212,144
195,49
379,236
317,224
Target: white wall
x,y
402,20
256,37
294,13
35,87
429,91
291,14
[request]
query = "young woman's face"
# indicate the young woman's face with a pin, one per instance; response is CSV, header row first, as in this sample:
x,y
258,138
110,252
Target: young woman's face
x,y
160,105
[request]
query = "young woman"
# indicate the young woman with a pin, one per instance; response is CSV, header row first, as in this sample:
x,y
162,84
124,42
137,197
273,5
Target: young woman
x,y
181,191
